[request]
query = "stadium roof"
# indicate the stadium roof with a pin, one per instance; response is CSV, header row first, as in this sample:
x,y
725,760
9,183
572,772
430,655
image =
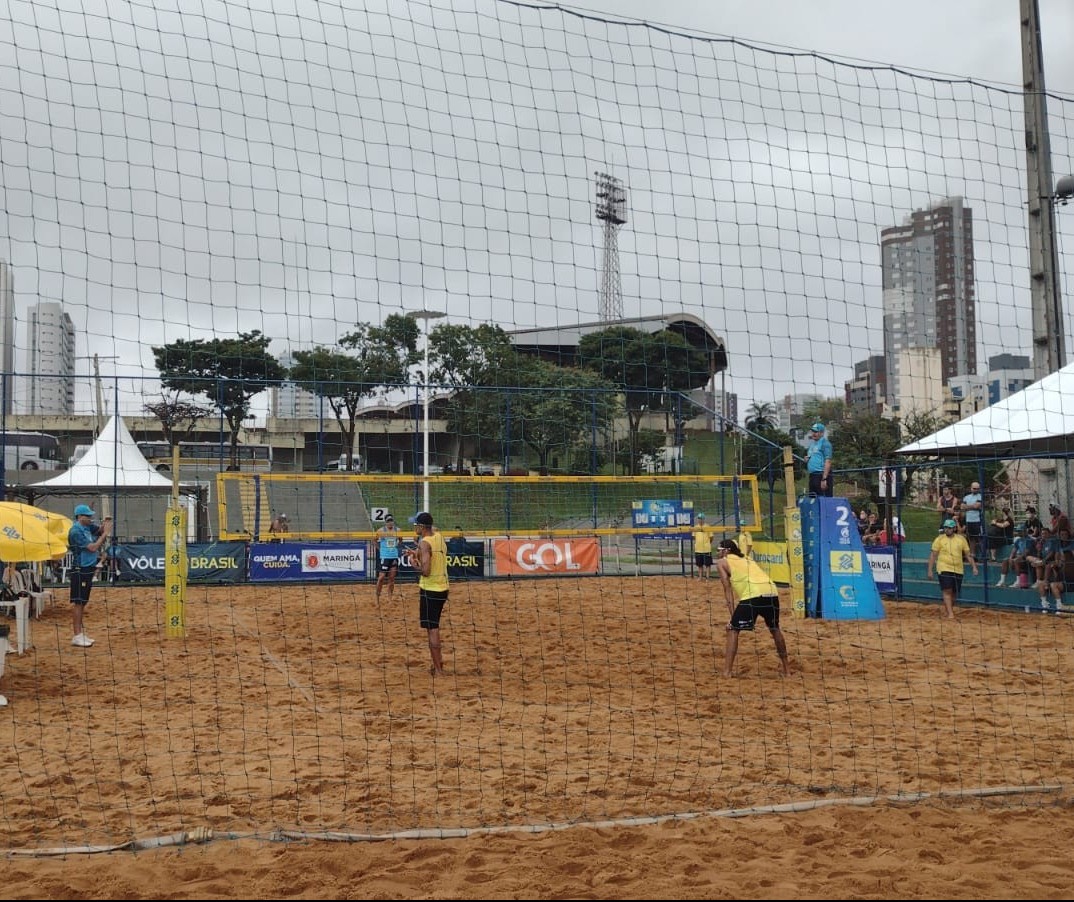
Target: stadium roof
x,y
560,343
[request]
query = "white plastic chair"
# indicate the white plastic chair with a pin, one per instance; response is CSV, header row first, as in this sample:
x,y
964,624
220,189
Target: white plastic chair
x,y
24,583
21,607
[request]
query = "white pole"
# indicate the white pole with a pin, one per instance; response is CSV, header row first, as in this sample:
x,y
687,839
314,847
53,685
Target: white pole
x,y
425,428
426,315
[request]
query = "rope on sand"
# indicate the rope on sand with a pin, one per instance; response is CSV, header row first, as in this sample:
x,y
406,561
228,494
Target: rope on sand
x,y
204,835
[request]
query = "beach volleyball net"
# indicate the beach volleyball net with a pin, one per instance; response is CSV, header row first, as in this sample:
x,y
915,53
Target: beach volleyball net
x,y
538,267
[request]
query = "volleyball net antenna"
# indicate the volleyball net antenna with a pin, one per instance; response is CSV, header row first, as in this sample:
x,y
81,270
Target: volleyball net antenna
x,y
551,272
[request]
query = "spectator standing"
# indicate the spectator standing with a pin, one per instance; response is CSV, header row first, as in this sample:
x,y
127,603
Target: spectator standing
x,y
973,514
1000,531
948,505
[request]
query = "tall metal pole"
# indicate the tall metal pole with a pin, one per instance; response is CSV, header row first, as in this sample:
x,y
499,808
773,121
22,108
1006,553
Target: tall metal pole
x,y
425,315
1049,324
611,210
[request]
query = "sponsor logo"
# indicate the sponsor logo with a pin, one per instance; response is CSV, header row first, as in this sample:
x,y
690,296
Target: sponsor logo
x,y
845,561
549,556
847,594
335,560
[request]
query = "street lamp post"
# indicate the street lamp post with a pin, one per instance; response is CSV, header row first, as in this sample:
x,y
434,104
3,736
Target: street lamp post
x,y
425,315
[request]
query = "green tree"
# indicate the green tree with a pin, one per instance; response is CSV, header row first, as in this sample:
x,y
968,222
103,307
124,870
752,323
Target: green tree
x,y
830,411
474,362
178,419
379,357
227,371
646,367
559,407
864,442
761,417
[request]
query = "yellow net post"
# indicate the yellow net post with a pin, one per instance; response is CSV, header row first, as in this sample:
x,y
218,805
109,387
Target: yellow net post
x,y
793,530
175,560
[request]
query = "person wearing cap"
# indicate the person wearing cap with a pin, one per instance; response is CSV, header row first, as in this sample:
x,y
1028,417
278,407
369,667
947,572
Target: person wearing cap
x,y
279,525
757,597
387,555
744,540
819,462
432,584
702,549
1059,520
1023,547
85,540
950,551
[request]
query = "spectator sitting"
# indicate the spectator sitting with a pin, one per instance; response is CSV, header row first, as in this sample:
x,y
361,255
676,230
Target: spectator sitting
x,y
898,534
1033,522
1024,546
871,536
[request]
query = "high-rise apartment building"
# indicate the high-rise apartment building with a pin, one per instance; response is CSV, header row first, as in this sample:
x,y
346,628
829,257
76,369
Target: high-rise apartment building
x,y
7,336
929,294
867,392
51,360
291,402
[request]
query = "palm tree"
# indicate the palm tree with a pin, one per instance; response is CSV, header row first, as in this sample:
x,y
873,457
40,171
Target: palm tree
x,y
761,417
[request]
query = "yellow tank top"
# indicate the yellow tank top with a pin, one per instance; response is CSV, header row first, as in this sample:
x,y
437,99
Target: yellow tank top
x,y
748,579
437,580
702,542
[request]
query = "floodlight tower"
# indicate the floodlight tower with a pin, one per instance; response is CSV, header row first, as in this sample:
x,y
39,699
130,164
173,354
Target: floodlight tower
x,y
611,210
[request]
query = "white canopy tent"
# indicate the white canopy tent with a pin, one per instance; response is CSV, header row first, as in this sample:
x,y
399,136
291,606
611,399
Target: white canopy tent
x,y
112,462
1037,421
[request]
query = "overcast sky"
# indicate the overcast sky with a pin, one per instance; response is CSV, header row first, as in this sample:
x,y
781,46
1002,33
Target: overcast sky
x,y
301,166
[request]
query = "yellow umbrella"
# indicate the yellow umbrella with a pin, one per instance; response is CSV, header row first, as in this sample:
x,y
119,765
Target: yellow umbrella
x,y
29,533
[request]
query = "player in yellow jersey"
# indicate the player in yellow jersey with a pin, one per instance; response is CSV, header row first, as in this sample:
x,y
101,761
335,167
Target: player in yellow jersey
x,y
702,550
757,597
432,584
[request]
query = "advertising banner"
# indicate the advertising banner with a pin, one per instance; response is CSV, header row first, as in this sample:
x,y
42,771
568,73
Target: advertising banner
x,y
465,560
882,563
354,561
529,557
657,515
209,562
772,556
310,561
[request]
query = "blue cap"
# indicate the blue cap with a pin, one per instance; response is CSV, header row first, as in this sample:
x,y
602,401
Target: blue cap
x,y
425,519
817,427
83,510
700,515
950,524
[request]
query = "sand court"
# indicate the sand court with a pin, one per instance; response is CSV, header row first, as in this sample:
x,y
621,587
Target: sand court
x,y
309,710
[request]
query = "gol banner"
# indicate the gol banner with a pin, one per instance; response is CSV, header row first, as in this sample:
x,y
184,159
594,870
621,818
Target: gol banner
x,y
517,557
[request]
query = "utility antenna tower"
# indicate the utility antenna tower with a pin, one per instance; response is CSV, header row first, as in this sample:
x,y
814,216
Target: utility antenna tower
x,y
611,210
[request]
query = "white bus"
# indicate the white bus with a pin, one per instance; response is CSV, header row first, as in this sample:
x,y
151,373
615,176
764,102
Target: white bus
x,y
31,451
206,456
